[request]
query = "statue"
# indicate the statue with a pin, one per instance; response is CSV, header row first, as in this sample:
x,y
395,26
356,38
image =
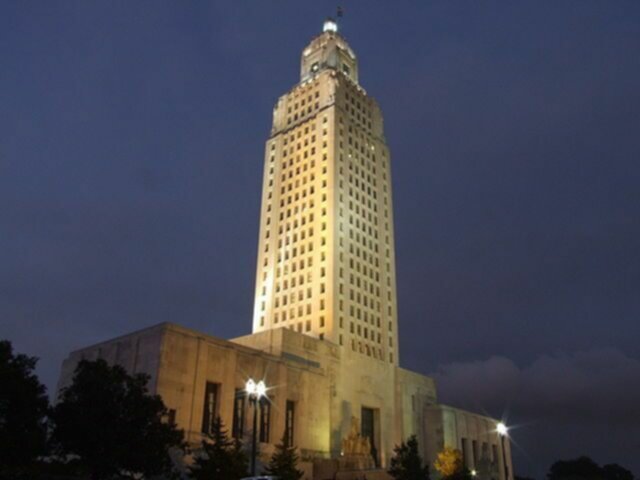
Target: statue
x,y
354,443
356,450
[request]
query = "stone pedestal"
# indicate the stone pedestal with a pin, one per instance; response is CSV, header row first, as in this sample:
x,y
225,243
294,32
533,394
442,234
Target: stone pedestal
x,y
352,468
354,461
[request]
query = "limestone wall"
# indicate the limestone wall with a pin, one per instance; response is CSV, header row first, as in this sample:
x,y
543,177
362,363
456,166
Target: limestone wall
x,y
137,352
414,393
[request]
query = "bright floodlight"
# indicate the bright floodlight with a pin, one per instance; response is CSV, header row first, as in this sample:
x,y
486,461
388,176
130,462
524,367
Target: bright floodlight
x,y
261,389
473,473
330,25
501,428
250,387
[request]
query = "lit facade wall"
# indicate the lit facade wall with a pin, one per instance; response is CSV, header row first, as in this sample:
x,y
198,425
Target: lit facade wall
x,y
328,389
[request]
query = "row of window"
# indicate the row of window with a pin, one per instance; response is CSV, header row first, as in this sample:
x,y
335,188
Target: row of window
x,y
355,103
471,454
360,297
357,296
302,101
294,299
359,113
211,406
370,351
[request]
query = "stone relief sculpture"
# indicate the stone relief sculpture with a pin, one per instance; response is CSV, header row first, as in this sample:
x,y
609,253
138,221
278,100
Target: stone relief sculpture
x,y
354,443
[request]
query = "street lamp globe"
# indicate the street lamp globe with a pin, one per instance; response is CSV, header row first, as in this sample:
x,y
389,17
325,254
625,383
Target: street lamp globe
x,y
250,386
261,389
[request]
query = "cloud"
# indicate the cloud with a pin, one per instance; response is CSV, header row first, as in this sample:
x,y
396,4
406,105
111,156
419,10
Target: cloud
x,y
597,386
586,402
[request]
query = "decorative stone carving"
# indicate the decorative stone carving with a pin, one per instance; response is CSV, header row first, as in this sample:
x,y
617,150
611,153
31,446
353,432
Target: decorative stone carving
x,y
356,450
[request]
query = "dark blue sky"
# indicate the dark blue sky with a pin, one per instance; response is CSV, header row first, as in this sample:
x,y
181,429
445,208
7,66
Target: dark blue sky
x,y
131,149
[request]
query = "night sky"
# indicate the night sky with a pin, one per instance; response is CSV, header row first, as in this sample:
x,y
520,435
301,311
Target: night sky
x,y
131,156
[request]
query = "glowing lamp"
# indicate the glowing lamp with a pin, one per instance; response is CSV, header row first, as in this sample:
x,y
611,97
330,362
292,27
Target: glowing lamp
x,y
250,387
330,25
261,389
255,390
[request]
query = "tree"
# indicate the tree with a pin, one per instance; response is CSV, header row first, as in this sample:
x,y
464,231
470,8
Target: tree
x,y
23,410
406,463
220,457
451,466
109,421
613,471
283,462
582,468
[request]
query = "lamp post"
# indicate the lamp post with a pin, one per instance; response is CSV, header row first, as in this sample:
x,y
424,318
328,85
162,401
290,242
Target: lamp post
x,y
255,392
502,430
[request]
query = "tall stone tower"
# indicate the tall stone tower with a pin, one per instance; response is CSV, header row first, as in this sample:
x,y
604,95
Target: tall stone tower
x,y
326,262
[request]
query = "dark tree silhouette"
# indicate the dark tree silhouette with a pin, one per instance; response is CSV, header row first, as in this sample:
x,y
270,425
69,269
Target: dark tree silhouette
x,y
23,410
406,463
613,471
283,462
220,457
110,421
583,468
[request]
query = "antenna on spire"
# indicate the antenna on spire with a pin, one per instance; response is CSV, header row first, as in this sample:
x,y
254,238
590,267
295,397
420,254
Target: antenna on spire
x,y
339,14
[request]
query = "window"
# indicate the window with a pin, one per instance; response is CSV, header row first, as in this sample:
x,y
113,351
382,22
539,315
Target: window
x,y
210,406
367,427
265,417
171,416
474,451
289,423
238,414
464,446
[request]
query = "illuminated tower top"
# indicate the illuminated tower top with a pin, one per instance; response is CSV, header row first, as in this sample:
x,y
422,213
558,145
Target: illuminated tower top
x,y
329,50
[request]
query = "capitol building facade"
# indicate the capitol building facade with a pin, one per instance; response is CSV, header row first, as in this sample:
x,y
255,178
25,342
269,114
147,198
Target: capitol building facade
x,y
325,324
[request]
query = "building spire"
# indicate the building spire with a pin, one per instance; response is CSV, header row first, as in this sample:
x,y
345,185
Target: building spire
x,y
331,24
